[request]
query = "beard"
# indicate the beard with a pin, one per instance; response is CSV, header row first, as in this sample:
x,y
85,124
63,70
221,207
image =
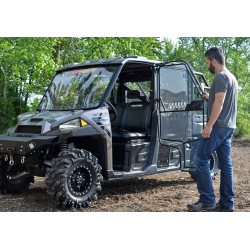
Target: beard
x,y
211,68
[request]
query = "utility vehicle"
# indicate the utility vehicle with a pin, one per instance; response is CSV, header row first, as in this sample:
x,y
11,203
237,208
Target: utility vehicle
x,y
107,119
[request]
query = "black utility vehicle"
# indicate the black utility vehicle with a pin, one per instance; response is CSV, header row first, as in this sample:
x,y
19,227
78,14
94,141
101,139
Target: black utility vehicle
x,y
107,119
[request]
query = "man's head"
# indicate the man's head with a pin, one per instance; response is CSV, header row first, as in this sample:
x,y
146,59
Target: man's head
x,y
215,60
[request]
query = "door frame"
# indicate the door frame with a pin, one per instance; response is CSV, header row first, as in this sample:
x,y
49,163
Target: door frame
x,y
179,144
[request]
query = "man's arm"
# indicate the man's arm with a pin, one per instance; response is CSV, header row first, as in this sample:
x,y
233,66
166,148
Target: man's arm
x,y
216,109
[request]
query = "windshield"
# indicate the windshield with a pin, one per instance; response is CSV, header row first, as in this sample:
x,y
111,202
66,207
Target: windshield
x,y
77,89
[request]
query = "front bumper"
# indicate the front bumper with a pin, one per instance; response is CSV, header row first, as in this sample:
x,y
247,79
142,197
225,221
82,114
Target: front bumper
x,y
23,145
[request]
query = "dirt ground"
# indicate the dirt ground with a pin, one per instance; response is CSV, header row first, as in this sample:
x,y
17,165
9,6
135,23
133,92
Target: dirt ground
x,y
169,192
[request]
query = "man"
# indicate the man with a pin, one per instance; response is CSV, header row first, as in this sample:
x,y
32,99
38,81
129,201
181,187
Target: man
x,y
222,109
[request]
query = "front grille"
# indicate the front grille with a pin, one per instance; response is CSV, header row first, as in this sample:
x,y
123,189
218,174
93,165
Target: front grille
x,y
29,129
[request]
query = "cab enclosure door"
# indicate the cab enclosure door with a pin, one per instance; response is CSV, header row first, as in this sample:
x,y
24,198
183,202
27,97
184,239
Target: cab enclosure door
x,y
183,113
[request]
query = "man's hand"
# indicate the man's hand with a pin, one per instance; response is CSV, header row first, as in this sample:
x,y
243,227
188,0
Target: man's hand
x,y
206,132
205,95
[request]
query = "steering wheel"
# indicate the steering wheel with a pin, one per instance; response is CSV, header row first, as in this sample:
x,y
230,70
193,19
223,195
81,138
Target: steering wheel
x,y
113,110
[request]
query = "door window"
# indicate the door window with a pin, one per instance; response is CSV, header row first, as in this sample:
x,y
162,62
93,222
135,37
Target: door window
x,y
177,89
174,88
174,93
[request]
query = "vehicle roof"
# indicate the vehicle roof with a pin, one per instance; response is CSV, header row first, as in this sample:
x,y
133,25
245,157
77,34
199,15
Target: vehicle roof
x,y
114,60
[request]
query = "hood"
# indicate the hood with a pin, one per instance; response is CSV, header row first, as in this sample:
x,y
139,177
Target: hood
x,y
45,118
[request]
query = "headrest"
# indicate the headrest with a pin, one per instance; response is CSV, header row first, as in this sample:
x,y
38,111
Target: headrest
x,y
133,94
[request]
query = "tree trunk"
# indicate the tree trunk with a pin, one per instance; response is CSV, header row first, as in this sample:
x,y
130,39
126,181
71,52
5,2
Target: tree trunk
x,y
26,99
5,80
57,54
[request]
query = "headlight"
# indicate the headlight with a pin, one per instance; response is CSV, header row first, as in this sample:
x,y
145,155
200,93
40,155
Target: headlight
x,y
73,124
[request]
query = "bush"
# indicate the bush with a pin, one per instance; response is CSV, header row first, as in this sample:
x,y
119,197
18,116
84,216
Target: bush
x,y
7,115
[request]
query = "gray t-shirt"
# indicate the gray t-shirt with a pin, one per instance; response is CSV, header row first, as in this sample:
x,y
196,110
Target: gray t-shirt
x,y
226,82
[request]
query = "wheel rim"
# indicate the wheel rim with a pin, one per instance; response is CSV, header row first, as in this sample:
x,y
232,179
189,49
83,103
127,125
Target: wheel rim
x,y
211,162
80,180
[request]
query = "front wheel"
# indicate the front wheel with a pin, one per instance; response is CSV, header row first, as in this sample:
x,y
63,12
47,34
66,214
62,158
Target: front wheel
x,y
74,179
213,167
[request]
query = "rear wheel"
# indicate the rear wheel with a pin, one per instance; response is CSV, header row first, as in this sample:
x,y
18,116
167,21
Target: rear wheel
x,y
74,179
213,167
13,179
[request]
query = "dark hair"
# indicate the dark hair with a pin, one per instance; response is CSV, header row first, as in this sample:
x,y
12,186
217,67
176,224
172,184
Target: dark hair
x,y
217,54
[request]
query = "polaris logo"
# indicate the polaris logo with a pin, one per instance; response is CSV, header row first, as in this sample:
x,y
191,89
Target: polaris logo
x,y
136,106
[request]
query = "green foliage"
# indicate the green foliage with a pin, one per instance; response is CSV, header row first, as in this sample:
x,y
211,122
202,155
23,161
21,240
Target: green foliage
x,y
243,113
7,115
35,103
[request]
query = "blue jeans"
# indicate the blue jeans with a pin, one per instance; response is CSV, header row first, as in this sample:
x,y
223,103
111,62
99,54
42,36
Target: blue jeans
x,y
220,141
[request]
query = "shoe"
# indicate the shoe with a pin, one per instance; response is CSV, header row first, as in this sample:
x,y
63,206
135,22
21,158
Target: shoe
x,y
221,208
199,206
